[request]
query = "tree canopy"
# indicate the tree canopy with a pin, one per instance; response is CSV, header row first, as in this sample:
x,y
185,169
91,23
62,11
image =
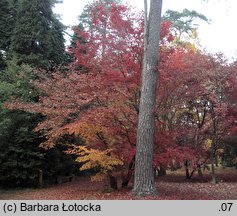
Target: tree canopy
x,y
84,116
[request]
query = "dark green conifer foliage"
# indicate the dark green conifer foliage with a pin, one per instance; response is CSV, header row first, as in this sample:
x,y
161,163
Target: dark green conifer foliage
x,y
2,61
29,34
7,23
37,38
20,156
7,20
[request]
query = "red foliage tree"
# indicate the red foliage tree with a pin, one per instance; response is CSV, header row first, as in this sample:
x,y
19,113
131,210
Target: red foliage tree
x,y
98,97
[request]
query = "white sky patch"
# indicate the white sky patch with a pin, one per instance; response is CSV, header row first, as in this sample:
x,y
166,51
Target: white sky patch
x,y
219,36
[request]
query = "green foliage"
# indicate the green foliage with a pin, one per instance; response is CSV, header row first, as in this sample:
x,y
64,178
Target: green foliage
x,y
56,49
58,163
184,22
7,21
37,37
20,157
2,61
85,19
75,37
229,157
15,81
30,36
184,25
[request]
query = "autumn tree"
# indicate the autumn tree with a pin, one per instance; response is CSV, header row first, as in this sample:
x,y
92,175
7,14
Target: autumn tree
x,y
173,117
100,92
97,99
98,95
202,103
219,78
229,157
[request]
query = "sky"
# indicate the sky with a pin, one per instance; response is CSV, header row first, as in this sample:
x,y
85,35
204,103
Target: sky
x,y
218,36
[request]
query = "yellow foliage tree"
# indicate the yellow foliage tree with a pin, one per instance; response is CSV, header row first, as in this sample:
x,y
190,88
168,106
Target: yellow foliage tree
x,y
103,161
207,144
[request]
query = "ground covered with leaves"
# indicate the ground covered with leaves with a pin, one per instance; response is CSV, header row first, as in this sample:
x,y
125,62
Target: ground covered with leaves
x,y
170,187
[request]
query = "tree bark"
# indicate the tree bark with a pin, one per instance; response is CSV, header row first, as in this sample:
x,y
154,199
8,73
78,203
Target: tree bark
x,y
144,174
187,169
161,171
113,182
213,145
200,172
128,176
40,178
216,160
213,173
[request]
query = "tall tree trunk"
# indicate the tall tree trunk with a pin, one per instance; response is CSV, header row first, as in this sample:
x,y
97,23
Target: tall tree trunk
x,y
144,174
113,182
212,159
187,169
40,178
126,178
216,160
213,146
200,172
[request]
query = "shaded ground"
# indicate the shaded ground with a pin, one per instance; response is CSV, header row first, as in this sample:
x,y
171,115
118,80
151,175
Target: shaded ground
x,y
170,187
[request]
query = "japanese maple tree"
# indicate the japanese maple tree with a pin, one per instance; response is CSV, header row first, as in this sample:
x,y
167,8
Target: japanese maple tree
x,y
97,97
